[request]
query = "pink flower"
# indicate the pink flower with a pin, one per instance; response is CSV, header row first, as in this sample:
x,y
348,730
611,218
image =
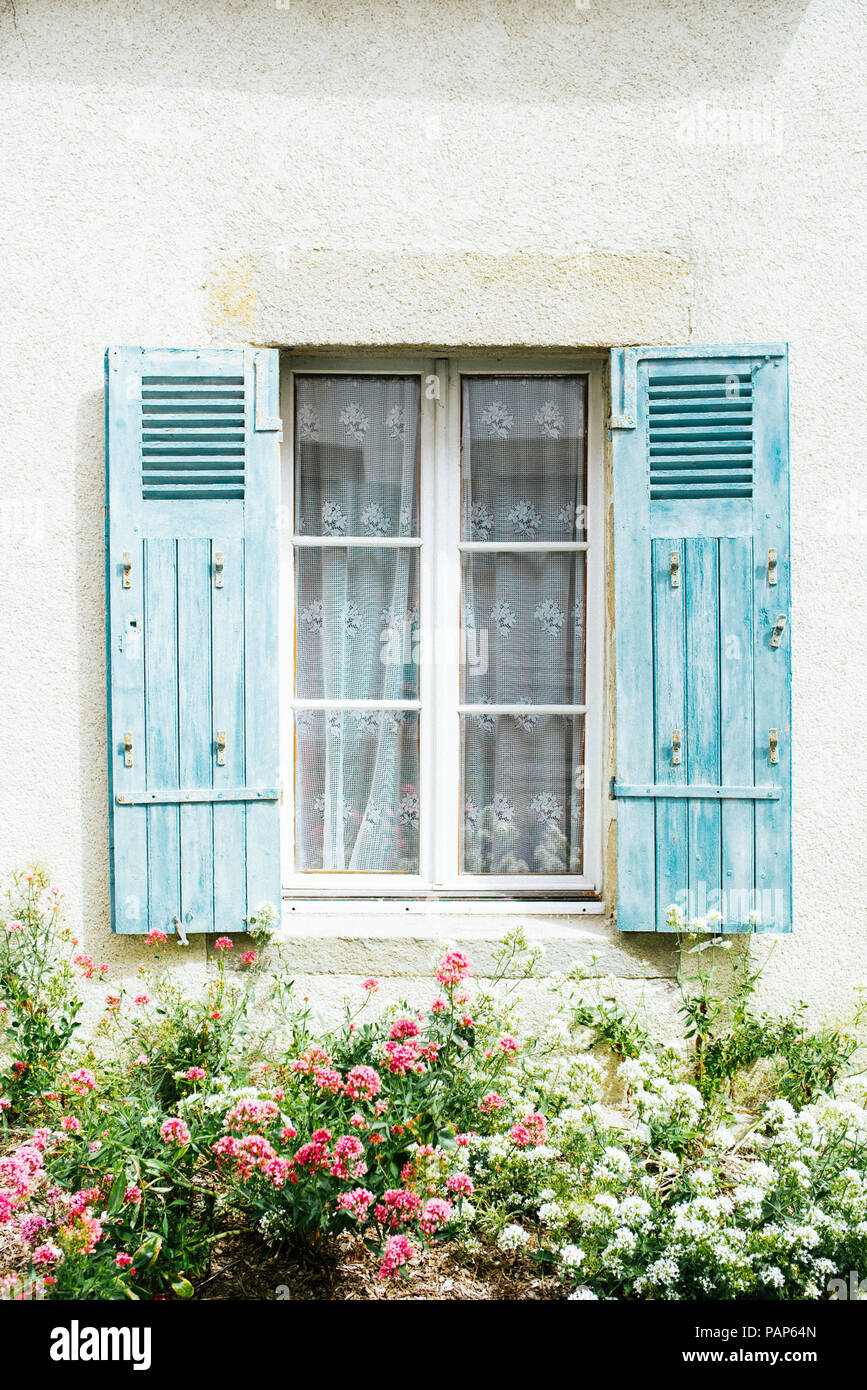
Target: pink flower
x,y
362,1083
537,1127
14,926
438,1006
287,1133
358,1122
46,1255
174,1131
223,943
132,1196
370,985
436,1214
402,1057
398,1251
328,1080
491,1102
249,958
112,1003
461,1185
122,1260
453,968
355,1203
520,1136
348,1156
82,1081
40,1139
404,1028
31,1228
155,937
94,1146
507,1046
249,1113
398,1206
195,1074
86,965
141,999
276,1170
70,1124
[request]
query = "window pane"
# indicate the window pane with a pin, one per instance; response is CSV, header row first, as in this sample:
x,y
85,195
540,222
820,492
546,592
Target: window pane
x,y
522,794
523,458
356,790
357,624
356,451
523,628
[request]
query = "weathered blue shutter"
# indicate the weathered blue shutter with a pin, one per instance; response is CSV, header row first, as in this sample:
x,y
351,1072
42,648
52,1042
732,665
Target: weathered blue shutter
x,y
703,673
192,450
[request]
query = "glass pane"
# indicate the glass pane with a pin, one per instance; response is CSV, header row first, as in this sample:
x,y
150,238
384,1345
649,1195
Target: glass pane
x,y
356,790
356,451
357,623
522,794
523,628
523,459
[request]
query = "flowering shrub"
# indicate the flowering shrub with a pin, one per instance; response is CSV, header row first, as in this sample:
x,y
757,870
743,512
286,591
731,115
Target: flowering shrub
x,y
446,1123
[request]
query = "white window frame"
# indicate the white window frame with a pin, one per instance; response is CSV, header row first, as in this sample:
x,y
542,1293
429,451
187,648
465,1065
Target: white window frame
x,y
438,879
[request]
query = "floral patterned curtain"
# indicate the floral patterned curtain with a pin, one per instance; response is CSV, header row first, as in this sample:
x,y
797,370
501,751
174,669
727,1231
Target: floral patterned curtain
x,y
523,475
356,449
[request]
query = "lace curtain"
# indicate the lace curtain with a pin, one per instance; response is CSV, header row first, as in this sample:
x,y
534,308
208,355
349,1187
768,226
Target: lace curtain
x,y
523,475
356,449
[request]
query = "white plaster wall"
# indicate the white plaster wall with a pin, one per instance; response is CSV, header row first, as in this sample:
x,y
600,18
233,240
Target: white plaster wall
x,y
536,173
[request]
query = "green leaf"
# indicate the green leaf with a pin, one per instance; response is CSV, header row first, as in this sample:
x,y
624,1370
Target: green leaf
x,y
182,1287
116,1196
148,1252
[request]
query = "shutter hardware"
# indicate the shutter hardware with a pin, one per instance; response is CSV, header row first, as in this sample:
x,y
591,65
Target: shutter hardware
x,y
772,565
779,629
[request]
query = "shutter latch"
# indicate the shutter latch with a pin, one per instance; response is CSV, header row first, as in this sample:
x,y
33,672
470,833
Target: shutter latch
x,y
127,750
772,565
773,746
674,569
779,629
126,567
221,748
218,569
675,748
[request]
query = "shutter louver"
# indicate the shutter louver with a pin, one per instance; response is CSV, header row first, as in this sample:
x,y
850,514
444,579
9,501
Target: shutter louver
x,y
703,677
192,462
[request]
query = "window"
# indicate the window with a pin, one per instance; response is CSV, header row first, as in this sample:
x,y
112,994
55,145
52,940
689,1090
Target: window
x,y
443,565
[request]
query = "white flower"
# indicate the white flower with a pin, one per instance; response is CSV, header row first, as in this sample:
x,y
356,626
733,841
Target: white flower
x,y
405,520
513,1237
526,721
550,616
571,1257
408,810
583,1294
395,422
374,520
503,812
497,420
525,520
354,421
549,420
308,422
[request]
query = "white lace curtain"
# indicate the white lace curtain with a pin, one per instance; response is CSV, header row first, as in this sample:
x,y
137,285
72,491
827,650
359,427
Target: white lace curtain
x,y
356,450
523,472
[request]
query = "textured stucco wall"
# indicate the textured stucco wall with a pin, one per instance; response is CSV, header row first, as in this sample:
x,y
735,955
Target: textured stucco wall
x,y
536,173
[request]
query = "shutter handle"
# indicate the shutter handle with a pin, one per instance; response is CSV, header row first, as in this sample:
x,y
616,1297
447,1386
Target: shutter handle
x,y
773,746
675,748
127,750
126,567
218,569
772,565
221,748
779,629
674,569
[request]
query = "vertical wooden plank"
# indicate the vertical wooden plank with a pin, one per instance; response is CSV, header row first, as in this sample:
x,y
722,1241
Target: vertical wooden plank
x,y
161,687
773,670
701,584
633,645
736,726
227,637
125,641
669,688
195,734
262,674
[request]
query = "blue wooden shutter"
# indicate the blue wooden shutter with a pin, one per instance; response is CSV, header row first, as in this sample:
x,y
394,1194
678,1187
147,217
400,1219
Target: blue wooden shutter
x,y
192,457
703,672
